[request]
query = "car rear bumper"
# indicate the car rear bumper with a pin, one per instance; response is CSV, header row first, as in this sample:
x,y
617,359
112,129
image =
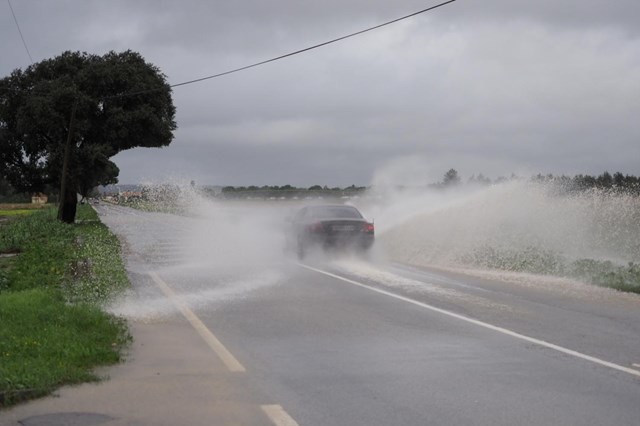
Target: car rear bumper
x,y
361,241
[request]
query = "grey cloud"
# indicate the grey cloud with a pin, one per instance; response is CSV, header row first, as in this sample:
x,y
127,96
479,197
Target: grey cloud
x,y
497,86
622,14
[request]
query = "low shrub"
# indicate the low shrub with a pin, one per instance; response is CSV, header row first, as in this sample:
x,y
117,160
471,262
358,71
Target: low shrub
x,y
546,262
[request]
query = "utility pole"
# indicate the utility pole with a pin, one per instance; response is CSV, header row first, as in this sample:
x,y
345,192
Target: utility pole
x,y
63,206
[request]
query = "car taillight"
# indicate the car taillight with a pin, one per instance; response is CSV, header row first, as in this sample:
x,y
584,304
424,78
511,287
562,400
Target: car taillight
x,y
368,227
316,227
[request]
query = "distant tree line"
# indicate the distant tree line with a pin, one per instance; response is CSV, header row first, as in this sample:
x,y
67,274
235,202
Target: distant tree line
x,y
287,191
616,182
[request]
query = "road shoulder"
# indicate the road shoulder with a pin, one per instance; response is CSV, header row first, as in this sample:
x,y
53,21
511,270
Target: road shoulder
x,y
170,377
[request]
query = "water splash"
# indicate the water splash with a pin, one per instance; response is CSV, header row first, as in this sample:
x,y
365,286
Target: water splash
x,y
518,226
209,251
148,304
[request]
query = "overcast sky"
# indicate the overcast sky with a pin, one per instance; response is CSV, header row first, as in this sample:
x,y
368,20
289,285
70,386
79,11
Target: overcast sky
x,y
492,86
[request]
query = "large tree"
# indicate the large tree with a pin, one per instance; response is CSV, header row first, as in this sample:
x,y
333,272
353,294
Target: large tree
x,y
120,102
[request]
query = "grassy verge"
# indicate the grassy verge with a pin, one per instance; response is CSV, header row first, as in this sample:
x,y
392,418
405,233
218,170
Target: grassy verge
x,y
16,212
52,286
12,207
534,260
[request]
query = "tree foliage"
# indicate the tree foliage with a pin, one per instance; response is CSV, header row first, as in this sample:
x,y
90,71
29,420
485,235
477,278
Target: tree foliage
x,y
122,102
616,182
287,191
451,178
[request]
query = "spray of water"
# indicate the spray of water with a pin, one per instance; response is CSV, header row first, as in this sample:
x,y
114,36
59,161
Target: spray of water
x,y
150,305
235,248
517,226
211,252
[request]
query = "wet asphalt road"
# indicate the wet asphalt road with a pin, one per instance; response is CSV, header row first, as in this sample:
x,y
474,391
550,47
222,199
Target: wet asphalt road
x,y
366,342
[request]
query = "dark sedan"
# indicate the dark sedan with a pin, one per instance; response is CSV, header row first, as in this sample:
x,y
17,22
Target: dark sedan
x,y
331,226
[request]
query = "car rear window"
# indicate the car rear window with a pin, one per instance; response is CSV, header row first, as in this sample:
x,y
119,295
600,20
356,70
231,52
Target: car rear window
x,y
342,212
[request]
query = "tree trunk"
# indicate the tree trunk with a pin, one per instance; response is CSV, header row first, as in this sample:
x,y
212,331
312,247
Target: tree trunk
x,y
68,198
68,205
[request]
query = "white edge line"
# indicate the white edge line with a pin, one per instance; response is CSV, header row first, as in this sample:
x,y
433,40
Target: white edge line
x,y
278,416
636,365
223,353
484,324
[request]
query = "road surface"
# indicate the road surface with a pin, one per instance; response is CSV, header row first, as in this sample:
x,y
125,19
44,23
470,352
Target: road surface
x,y
351,341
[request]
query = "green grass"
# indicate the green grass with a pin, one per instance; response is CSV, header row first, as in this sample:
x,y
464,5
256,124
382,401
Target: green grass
x,y
98,273
46,249
53,331
15,212
46,343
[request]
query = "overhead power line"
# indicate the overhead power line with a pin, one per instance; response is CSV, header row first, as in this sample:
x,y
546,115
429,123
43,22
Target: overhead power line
x,y
311,47
197,80
20,31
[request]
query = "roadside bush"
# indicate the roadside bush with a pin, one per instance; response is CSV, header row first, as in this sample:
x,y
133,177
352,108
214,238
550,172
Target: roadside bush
x,y
546,262
607,274
532,259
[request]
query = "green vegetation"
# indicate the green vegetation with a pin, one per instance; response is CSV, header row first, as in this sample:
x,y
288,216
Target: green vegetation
x,y
607,274
288,191
52,286
46,343
16,212
617,182
73,109
535,260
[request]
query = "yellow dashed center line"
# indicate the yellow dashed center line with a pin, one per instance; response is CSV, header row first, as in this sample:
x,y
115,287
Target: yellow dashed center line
x,y
275,413
278,416
223,353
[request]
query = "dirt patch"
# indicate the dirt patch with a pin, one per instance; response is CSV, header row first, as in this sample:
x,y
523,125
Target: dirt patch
x,y
10,252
